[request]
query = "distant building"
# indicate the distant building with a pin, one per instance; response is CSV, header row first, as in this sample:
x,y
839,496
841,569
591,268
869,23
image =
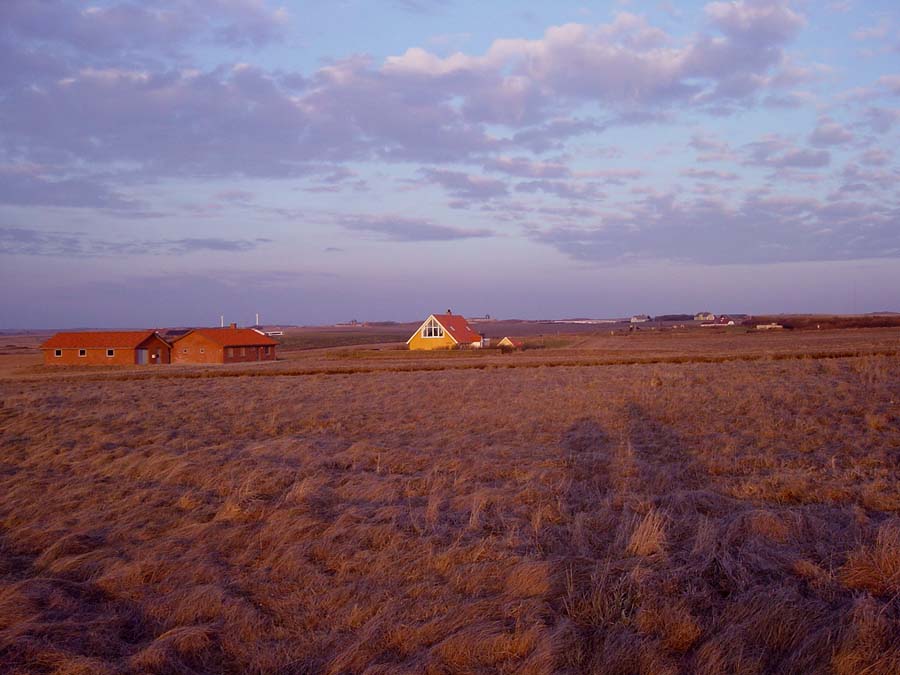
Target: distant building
x,y
720,322
704,316
445,331
106,348
640,318
510,343
769,326
223,345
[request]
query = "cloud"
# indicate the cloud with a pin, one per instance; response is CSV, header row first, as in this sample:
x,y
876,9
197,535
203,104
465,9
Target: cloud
x,y
778,152
466,186
876,157
526,168
31,242
28,185
117,29
708,174
891,83
828,132
569,190
881,120
398,228
759,229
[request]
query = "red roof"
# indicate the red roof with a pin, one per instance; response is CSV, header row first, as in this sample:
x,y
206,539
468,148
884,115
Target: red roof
x,y
458,328
121,339
232,337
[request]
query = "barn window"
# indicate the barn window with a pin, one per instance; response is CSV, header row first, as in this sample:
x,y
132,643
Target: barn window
x,y
202,350
57,353
184,351
230,352
432,329
243,351
110,352
82,352
266,351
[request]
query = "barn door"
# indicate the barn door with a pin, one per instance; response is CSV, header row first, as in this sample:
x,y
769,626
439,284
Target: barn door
x,y
141,358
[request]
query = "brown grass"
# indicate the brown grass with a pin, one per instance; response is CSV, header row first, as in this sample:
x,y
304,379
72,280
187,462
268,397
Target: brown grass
x,y
731,517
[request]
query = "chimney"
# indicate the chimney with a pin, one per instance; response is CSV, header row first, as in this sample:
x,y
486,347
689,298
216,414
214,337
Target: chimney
x,y
232,325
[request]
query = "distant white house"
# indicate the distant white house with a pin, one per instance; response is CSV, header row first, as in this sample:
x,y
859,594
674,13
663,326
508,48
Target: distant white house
x,y
640,318
704,316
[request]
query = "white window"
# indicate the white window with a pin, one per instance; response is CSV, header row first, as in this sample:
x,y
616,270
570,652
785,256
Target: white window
x,y
110,352
432,329
82,352
57,353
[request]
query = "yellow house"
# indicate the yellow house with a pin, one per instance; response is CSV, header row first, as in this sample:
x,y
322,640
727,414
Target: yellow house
x,y
444,331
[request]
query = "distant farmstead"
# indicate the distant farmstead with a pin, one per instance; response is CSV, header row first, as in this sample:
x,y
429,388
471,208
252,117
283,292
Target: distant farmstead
x,y
445,331
106,348
223,345
704,316
640,318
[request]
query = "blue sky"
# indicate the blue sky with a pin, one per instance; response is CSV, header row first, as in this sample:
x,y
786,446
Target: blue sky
x,y
164,163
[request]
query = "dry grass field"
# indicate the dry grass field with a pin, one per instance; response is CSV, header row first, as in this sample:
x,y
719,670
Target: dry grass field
x,y
667,503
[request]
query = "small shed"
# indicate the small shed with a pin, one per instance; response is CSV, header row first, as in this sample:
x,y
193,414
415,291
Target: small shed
x,y
510,343
223,345
106,348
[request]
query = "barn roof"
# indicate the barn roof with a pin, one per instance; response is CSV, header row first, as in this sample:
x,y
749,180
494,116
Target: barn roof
x,y
232,337
121,339
458,328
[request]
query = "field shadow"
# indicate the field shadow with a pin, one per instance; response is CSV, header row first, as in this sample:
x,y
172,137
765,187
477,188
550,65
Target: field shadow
x,y
54,618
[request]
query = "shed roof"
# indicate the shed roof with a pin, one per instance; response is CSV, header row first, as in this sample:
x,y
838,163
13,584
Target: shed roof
x,y
121,339
232,337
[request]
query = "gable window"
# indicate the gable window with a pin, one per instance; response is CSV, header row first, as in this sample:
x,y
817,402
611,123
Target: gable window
x,y
110,352
57,353
432,329
82,352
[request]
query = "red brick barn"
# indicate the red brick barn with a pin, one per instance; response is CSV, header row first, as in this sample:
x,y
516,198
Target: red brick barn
x,y
223,345
106,348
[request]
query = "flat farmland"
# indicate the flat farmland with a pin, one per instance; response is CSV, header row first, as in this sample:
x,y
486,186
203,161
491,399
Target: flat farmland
x,y
701,501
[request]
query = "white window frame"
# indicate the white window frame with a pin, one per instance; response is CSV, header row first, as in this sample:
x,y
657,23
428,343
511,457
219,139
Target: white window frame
x,y
82,353
184,350
110,353
432,329
57,353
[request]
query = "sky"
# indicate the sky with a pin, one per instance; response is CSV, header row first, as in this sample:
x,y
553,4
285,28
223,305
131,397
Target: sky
x,y
167,163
